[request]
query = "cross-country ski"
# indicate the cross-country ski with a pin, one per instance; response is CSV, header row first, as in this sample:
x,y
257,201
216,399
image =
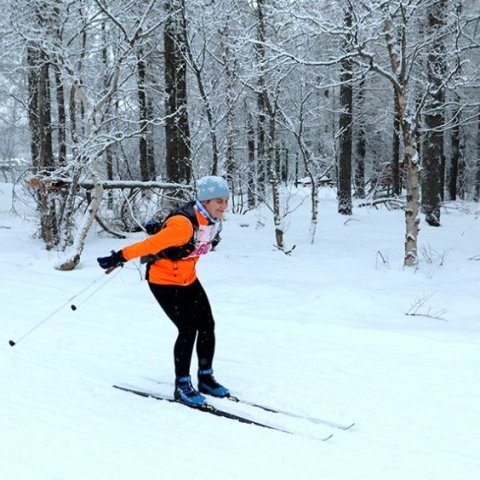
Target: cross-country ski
x,y
320,421
211,409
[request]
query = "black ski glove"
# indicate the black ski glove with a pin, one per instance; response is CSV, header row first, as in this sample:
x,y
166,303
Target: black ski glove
x,y
114,260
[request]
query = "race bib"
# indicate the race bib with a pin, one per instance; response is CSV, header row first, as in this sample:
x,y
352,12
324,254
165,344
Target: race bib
x,y
205,235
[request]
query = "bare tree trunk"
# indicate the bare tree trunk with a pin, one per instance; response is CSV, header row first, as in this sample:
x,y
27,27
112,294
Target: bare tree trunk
x,y
262,157
48,217
33,62
70,200
72,261
77,108
270,109
229,64
462,169
230,166
361,146
261,145
61,126
69,208
274,179
408,125
308,164
476,186
411,162
456,180
109,149
396,170
309,168
147,164
152,168
455,148
39,114
433,151
345,125
177,130
277,216
286,166
62,119
251,170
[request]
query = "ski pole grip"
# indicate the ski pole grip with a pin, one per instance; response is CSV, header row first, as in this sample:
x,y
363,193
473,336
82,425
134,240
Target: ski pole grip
x,y
111,269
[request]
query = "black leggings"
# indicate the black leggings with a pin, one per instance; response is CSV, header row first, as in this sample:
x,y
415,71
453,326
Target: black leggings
x,y
189,309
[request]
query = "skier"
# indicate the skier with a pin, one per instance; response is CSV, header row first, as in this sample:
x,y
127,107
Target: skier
x,y
187,233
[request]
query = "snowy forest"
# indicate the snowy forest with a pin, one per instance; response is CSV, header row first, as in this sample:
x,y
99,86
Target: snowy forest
x,y
345,289
110,109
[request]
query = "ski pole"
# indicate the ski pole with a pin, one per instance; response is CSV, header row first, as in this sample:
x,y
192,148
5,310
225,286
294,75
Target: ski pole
x,y
107,272
72,306
110,270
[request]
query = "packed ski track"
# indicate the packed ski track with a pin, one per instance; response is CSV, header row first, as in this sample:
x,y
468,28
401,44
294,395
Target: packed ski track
x,y
323,333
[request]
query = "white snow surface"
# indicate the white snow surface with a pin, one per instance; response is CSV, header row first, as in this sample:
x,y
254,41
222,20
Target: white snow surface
x,y
322,332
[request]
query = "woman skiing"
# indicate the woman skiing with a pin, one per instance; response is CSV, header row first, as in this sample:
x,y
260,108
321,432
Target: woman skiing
x,y
174,250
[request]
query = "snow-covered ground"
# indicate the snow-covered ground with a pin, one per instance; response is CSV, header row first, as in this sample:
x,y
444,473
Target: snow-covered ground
x,y
322,332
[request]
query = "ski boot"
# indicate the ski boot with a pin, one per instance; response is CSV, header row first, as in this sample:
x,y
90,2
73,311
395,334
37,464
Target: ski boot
x,y
208,384
186,394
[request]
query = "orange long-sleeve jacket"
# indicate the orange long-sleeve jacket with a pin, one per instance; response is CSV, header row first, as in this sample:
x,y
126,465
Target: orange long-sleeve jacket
x,y
177,231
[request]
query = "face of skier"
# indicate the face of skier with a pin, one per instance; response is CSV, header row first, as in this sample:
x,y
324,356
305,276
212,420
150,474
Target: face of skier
x,y
216,207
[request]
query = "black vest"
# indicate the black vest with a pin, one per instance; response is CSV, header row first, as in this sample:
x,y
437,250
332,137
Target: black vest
x,y
176,253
